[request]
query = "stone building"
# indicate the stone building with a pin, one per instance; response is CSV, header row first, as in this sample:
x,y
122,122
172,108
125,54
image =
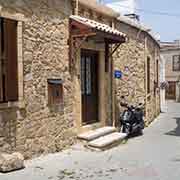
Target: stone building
x,y
170,51
56,72
138,59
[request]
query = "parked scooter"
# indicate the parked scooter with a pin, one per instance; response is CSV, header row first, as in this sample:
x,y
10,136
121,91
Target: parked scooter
x,y
132,119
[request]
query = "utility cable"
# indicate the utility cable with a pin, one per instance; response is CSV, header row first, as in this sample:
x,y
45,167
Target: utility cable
x,y
153,12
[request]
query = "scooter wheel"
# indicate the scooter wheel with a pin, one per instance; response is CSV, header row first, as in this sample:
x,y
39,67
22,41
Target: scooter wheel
x,y
141,132
125,130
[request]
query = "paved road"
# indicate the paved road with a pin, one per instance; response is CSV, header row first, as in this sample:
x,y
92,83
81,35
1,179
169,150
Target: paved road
x,y
153,156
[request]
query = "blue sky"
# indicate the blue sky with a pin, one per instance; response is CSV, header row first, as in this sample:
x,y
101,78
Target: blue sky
x,y
167,26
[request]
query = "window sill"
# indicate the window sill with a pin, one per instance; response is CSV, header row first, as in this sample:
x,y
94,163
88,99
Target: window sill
x,y
15,104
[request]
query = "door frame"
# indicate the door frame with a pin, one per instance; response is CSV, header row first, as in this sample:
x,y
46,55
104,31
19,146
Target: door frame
x,y
102,113
90,53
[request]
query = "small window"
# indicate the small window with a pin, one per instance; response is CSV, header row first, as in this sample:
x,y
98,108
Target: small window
x,y
148,75
176,63
55,92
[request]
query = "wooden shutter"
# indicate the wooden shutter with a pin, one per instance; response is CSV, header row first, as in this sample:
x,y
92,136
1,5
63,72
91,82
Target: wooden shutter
x,y
11,79
1,73
55,93
50,94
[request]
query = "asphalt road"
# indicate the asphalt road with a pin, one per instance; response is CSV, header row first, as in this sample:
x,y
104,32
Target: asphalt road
x,y
153,156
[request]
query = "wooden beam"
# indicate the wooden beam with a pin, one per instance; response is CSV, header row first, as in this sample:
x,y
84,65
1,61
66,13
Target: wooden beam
x,y
79,25
83,34
114,50
111,38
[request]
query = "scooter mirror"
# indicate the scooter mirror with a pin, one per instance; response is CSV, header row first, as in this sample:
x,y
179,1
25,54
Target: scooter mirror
x,y
123,104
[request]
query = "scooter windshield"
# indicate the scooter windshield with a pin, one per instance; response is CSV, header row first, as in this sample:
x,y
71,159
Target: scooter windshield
x,y
126,116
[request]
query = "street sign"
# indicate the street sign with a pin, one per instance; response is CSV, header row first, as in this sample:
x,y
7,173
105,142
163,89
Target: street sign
x,y
117,74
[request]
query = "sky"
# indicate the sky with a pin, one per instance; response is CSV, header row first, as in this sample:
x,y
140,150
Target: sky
x,y
167,26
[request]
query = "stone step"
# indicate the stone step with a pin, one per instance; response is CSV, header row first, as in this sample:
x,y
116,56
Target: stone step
x,y
93,134
105,142
11,162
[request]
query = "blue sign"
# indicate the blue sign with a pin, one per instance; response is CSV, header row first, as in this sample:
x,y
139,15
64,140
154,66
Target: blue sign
x,y
117,74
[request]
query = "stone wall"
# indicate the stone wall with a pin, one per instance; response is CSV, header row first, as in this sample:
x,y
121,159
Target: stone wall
x,y
131,58
36,129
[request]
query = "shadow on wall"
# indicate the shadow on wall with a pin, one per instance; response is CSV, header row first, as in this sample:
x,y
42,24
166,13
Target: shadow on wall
x,y
8,130
176,131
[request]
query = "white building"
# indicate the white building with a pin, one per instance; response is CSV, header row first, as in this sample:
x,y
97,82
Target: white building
x,y
170,52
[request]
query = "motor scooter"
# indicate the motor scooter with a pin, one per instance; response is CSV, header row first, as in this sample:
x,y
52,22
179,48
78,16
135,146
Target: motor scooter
x,y
132,121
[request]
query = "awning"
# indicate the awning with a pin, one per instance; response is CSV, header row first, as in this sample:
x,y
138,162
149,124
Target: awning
x,y
88,27
82,29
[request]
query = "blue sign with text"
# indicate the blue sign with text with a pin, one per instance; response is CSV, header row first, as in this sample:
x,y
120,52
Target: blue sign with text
x,y
117,74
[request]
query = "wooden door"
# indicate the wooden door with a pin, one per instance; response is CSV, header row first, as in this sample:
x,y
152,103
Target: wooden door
x,y
171,91
89,86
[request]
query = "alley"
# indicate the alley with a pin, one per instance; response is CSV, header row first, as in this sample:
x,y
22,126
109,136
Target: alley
x,y
153,156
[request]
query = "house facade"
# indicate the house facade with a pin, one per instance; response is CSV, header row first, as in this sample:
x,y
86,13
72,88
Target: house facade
x,y
57,65
170,51
139,61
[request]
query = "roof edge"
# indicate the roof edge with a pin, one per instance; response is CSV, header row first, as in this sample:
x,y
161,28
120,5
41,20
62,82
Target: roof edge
x,y
136,25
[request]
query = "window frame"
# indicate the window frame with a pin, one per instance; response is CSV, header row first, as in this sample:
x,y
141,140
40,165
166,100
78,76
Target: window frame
x,y
173,63
8,60
20,101
52,87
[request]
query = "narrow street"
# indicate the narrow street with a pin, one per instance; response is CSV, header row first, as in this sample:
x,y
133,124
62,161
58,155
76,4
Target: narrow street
x,y
153,156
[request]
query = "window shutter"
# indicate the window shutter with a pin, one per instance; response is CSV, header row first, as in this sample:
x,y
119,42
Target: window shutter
x,y
55,92
50,94
1,74
10,27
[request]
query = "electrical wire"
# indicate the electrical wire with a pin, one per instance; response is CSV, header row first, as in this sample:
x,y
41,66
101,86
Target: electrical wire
x,y
153,12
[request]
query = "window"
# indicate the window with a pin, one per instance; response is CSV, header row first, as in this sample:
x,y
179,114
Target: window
x,y
157,71
55,92
176,63
8,60
148,75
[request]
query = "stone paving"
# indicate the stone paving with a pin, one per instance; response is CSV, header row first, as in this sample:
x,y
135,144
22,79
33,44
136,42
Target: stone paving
x,y
153,156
